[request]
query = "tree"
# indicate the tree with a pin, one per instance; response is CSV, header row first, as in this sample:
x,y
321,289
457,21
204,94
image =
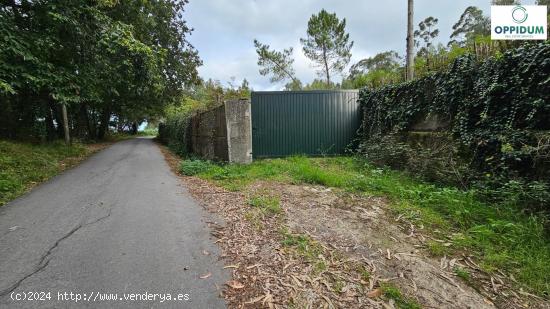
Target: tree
x,y
388,61
426,32
319,84
327,44
382,69
505,2
547,3
410,40
544,2
236,93
472,23
276,63
101,60
293,85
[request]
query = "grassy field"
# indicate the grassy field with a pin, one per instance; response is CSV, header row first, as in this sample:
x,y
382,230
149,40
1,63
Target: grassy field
x,y
499,235
23,165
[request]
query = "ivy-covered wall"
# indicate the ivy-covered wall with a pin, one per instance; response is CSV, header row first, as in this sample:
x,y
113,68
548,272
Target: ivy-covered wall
x,y
497,110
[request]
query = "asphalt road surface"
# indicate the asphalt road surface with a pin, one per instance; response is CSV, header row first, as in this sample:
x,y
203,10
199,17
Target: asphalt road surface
x,y
118,226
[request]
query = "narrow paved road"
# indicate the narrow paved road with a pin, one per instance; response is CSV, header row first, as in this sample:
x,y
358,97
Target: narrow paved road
x,y
118,223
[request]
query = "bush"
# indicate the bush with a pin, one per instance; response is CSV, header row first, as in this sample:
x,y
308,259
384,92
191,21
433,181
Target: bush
x,y
194,167
267,203
436,159
532,195
496,112
174,133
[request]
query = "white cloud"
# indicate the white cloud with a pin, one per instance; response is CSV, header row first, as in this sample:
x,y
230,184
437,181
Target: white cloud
x,y
225,29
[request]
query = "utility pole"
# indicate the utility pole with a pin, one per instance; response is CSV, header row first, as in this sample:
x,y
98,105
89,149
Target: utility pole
x,y
65,124
410,41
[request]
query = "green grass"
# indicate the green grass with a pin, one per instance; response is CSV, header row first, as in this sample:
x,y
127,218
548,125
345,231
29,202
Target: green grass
x,y
24,164
402,302
268,204
303,244
306,247
365,274
463,274
194,167
437,249
262,205
149,132
501,236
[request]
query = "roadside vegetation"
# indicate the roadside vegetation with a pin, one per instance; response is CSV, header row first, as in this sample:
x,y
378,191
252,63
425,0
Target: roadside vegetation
x,y
24,165
392,292
502,236
137,61
471,35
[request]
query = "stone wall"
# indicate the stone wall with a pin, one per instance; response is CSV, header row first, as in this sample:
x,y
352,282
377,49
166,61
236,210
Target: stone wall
x,y
223,133
209,135
239,130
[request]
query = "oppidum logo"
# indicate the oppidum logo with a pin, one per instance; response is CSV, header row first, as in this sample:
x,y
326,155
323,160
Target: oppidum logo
x,y
518,22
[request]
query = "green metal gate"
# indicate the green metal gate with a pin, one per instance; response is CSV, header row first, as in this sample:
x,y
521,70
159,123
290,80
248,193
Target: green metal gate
x,y
303,122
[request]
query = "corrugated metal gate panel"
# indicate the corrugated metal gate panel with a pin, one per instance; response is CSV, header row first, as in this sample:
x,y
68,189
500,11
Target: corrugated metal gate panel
x,y
303,122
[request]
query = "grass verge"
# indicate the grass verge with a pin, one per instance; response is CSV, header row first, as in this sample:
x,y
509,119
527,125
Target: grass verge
x,y
24,165
402,302
501,236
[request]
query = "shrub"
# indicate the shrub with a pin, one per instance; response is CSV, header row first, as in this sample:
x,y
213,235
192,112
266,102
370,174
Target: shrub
x,y
194,167
269,204
532,195
436,158
174,133
496,112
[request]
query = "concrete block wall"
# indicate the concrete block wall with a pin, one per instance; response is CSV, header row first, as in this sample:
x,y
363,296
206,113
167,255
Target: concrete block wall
x,y
223,133
209,135
239,130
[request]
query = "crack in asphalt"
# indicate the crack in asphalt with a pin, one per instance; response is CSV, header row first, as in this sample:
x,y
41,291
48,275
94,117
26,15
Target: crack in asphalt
x,y
43,262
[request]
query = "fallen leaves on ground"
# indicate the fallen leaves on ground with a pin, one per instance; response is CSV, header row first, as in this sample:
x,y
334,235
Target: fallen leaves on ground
x,y
329,271
235,284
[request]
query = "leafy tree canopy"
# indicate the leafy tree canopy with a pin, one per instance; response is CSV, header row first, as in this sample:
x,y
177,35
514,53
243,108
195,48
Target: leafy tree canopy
x,y
389,60
426,32
106,60
276,63
327,44
472,23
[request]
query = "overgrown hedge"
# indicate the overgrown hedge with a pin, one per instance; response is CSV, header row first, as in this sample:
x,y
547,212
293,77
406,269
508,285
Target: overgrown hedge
x,y
497,110
174,133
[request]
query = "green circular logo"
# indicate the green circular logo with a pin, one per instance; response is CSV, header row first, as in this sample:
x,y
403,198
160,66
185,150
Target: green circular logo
x,y
519,14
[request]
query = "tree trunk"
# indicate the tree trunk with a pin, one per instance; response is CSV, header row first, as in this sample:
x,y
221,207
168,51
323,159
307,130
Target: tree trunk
x,y
104,125
57,117
50,128
134,128
84,128
65,124
410,41
326,66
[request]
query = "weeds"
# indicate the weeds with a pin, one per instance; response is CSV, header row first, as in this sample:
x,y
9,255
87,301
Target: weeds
x,y
267,204
304,245
254,216
462,274
500,234
402,302
22,164
338,286
365,274
194,167
437,249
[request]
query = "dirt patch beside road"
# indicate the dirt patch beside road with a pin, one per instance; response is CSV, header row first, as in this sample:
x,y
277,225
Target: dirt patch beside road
x,y
322,248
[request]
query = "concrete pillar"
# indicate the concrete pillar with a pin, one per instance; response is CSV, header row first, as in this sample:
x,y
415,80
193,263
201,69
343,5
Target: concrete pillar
x,y
239,130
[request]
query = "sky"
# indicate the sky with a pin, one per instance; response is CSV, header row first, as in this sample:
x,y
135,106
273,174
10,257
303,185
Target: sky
x,y
224,31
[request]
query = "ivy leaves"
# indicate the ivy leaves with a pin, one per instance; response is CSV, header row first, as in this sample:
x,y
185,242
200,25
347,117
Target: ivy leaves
x,y
492,105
